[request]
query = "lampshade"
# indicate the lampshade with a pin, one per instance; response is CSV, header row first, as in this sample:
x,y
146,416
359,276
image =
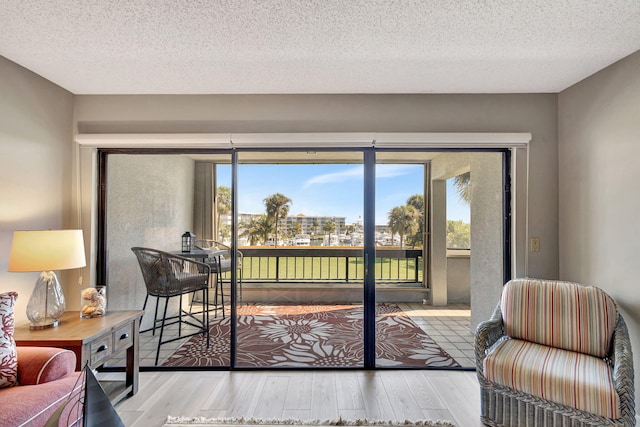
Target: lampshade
x,y
46,250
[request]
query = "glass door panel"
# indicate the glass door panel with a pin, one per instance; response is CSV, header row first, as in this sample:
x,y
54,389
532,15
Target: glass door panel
x,y
425,228
400,236
300,233
152,200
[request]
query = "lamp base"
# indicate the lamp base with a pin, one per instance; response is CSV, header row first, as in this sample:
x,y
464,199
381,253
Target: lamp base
x,y
47,326
46,303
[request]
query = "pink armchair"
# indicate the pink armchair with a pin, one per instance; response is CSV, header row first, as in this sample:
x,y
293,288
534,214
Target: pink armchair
x,y
46,378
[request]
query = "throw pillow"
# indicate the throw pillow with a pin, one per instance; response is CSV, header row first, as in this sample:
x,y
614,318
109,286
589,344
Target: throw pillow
x,y
8,354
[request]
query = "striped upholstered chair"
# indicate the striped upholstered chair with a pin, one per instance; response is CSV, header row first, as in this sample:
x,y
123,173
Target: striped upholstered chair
x,y
555,354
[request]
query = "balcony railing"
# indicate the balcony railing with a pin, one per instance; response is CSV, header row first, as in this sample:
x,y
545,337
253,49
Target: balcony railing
x,y
329,264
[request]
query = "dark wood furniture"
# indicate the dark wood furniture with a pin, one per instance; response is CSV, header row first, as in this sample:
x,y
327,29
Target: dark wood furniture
x,y
95,341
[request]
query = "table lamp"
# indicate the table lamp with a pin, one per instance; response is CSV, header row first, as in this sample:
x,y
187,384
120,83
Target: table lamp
x,y
46,251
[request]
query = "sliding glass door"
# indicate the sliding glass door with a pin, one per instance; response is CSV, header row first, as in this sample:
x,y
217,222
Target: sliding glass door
x,y
439,247
319,258
299,231
150,201
401,232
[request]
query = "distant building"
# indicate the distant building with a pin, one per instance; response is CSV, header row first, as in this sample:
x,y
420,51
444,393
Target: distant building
x,y
307,223
310,225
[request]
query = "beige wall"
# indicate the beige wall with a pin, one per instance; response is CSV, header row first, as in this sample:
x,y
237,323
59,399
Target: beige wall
x,y
35,166
458,277
487,237
599,154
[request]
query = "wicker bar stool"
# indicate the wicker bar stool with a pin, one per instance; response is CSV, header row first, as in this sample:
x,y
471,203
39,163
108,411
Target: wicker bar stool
x,y
167,276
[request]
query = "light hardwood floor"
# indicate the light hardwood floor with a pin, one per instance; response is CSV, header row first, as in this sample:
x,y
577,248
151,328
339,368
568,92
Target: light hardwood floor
x,y
394,395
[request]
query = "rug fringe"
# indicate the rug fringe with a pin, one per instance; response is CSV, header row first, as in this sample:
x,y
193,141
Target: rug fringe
x,y
171,420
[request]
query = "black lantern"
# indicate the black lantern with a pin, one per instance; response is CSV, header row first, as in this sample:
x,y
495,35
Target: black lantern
x,y
187,241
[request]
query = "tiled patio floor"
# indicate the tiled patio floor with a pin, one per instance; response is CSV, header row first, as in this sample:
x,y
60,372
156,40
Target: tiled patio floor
x,y
448,326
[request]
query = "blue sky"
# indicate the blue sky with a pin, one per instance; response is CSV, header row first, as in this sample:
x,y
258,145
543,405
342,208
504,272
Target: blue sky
x,y
335,189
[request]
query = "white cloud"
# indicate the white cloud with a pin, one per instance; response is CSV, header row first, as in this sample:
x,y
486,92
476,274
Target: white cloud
x,y
391,171
356,172
332,178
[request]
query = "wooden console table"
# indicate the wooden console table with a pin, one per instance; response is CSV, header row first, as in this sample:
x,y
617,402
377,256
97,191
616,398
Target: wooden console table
x,y
94,341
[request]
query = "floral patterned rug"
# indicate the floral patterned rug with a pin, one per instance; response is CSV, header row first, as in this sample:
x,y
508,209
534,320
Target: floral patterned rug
x,y
313,336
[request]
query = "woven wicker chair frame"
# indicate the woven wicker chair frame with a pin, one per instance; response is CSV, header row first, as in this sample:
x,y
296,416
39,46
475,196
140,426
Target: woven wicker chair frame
x,y
166,276
503,406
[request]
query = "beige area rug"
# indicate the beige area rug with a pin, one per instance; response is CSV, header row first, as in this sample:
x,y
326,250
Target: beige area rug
x,y
234,422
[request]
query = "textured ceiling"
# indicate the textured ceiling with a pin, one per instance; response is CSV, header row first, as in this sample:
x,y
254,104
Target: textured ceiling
x,y
317,46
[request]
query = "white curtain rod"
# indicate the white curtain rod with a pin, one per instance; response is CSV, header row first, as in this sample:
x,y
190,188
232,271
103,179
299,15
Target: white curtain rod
x,y
308,140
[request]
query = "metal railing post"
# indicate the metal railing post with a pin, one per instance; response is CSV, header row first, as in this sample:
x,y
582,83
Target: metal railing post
x,y
346,269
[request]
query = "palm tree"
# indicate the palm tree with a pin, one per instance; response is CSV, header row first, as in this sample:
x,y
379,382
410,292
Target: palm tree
x,y
223,204
462,183
329,227
295,229
417,201
257,229
403,220
277,209
225,233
